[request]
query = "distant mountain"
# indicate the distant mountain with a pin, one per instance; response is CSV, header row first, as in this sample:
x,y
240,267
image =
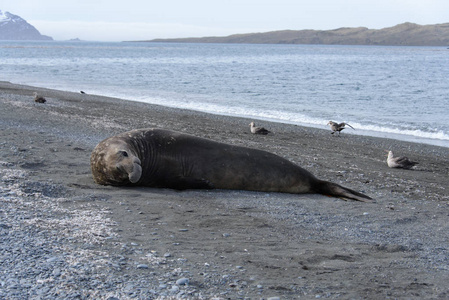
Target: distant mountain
x,y
406,34
13,27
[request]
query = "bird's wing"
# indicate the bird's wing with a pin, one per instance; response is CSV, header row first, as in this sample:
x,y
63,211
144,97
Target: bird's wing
x,y
405,162
261,130
401,160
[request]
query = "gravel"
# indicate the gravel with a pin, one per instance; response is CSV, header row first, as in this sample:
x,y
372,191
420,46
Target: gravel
x,y
50,252
64,237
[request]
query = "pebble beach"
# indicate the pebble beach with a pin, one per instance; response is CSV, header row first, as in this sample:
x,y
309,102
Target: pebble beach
x,y
64,237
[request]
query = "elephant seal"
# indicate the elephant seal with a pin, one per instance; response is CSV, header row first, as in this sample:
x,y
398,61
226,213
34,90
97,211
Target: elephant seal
x,y
167,159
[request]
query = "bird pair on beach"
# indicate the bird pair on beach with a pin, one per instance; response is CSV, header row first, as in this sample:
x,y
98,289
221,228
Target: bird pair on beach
x,y
40,99
393,162
334,127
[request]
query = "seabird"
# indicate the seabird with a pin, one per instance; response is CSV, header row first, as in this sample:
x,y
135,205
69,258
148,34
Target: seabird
x,y
39,99
257,130
399,162
338,127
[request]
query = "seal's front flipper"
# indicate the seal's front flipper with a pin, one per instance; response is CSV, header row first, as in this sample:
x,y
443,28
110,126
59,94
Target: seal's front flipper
x,y
184,183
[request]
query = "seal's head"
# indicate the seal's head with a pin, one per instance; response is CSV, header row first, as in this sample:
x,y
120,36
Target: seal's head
x,y
113,162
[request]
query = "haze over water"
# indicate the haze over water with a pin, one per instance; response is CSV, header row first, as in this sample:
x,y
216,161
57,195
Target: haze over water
x,y
396,92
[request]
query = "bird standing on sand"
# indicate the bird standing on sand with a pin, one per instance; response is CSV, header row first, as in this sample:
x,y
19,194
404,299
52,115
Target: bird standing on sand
x,y
39,99
257,130
338,127
399,162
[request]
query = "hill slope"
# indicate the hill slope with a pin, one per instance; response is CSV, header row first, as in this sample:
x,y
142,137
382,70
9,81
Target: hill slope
x,y
406,34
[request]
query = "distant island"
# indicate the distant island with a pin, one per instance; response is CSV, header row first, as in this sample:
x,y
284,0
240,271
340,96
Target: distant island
x,y
406,34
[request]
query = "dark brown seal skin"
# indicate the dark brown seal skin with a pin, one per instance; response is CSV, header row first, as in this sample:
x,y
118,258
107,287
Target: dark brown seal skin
x,y
167,159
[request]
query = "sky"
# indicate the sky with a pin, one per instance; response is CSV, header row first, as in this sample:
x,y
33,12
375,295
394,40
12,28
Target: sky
x,y
125,20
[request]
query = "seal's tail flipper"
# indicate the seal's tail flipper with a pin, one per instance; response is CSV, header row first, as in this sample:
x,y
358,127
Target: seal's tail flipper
x,y
333,189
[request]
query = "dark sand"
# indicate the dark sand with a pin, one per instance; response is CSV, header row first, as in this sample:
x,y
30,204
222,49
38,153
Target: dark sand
x,y
236,244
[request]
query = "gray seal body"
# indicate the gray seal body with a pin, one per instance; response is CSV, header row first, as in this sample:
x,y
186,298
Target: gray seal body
x,y
167,159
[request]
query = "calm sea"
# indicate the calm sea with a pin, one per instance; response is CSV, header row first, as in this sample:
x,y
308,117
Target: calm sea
x,y
396,92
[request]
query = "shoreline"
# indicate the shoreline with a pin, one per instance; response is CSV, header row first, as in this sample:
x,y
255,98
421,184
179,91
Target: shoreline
x,y
69,235
362,132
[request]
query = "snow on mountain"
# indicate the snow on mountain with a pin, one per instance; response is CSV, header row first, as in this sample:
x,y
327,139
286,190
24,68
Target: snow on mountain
x,y
4,16
13,27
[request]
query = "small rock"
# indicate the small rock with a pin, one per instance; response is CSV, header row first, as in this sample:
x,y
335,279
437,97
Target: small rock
x,y
142,266
182,281
5,226
56,272
52,259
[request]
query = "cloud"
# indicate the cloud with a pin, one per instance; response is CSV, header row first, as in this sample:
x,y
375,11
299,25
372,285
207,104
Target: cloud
x,y
122,31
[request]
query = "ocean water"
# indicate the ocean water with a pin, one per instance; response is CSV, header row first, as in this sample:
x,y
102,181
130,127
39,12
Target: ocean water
x,y
394,92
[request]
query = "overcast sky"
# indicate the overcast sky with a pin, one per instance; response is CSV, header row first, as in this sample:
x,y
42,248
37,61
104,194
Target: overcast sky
x,y
119,20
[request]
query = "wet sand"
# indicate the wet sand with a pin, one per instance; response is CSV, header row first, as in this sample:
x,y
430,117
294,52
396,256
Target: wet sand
x,y
228,244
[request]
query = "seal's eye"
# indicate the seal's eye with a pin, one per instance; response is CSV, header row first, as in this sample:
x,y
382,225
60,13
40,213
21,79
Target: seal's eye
x,y
124,153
